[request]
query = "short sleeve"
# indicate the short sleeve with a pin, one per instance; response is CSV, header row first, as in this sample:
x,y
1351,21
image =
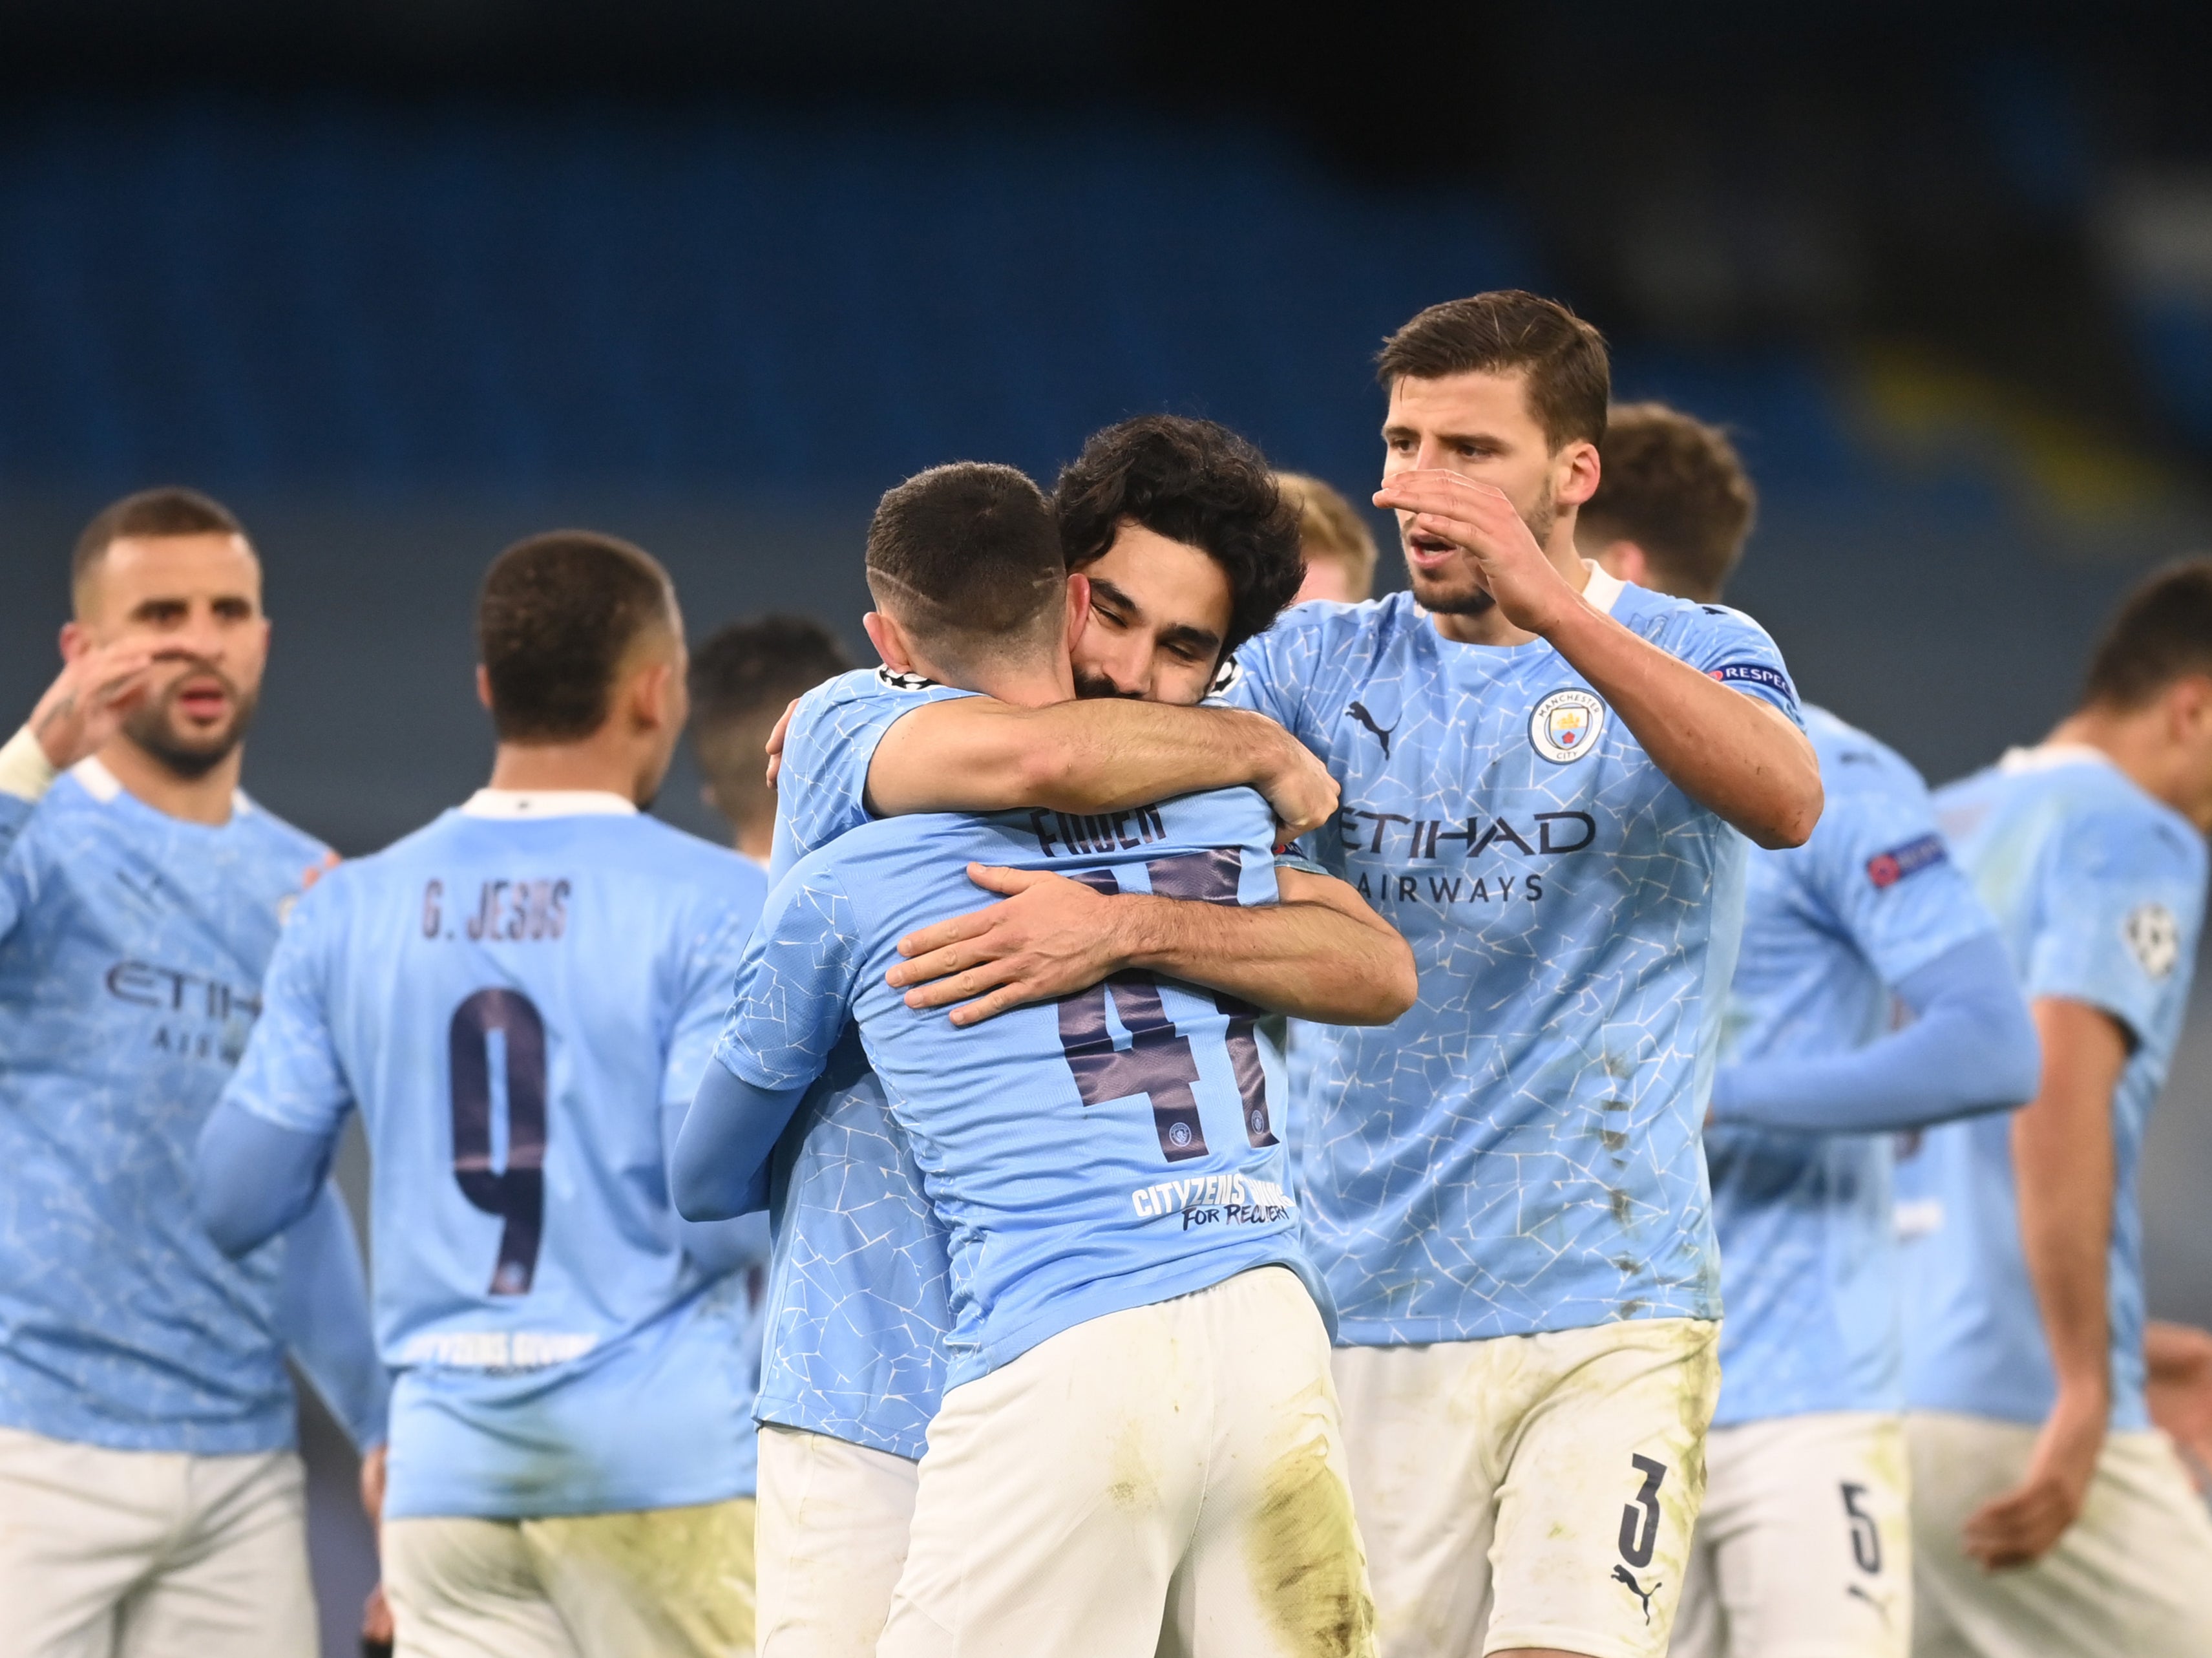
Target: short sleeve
x,y
711,967
1269,675
2120,893
822,787
1727,646
289,1074
1885,873
796,983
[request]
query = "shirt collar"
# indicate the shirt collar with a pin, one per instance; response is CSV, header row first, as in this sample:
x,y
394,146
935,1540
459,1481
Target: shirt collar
x,y
547,803
1604,588
2048,756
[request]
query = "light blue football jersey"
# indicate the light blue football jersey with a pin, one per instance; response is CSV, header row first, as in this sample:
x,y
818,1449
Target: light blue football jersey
x,y
1110,1151
1520,1151
132,947
1807,1260
857,1307
522,1007
2098,892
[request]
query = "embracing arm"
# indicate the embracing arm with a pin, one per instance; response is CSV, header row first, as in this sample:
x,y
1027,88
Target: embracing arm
x,y
323,1316
1970,1049
256,1178
1106,754
2064,1165
1321,954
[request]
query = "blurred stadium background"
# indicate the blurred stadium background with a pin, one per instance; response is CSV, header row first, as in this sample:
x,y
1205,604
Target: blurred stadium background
x,y
401,281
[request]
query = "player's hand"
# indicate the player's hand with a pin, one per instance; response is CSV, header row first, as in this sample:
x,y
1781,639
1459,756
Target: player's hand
x,y
371,1484
1298,790
1051,936
88,701
1478,518
2180,1394
376,1631
2021,1525
775,741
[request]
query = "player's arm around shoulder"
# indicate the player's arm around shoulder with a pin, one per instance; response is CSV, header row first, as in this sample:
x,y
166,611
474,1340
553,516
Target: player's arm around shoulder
x,y
1103,755
1714,708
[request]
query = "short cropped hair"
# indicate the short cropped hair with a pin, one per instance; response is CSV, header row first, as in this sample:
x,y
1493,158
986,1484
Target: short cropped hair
x,y
1569,375
967,556
1676,487
1330,528
556,617
758,666
148,515
2161,632
1196,482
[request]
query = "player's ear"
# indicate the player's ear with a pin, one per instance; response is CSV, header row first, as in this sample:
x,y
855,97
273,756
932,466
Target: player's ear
x,y
1624,561
76,639
890,640
1575,469
1079,609
483,687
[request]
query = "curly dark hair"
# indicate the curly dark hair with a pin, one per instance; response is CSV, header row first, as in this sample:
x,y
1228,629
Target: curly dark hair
x,y
1194,481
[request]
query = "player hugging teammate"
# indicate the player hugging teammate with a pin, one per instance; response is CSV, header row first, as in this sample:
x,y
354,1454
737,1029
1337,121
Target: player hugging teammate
x,y
1074,1319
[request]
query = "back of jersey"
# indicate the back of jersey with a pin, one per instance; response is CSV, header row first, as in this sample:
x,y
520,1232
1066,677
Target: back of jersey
x,y
522,1008
1118,1147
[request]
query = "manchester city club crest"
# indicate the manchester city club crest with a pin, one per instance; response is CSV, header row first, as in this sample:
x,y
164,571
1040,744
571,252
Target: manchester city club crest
x,y
1566,725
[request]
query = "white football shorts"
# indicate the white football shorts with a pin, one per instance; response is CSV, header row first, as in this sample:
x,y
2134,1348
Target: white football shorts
x,y
1169,1479
2133,1574
834,1518
1804,1549
147,1554
1531,1490
655,1583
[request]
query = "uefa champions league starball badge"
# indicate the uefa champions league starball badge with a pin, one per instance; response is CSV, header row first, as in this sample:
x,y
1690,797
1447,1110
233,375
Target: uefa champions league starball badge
x,y
1566,725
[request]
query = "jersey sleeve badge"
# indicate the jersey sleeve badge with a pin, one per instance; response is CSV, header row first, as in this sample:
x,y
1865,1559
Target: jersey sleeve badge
x,y
2155,938
1566,725
1885,869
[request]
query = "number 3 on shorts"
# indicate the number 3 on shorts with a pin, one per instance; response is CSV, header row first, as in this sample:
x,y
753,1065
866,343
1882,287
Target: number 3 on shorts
x,y
1639,1520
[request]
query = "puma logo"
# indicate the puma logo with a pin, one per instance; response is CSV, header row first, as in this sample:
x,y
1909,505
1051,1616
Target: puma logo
x,y
1881,1606
1358,712
1622,1575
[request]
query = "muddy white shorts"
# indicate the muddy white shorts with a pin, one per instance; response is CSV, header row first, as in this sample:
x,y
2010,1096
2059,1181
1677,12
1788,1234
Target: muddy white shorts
x,y
1167,1479
151,1554
1804,1549
655,1583
834,1518
1530,1491
2133,1574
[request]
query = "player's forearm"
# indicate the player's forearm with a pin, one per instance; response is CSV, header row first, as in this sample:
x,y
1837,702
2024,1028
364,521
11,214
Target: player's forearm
x,y
1306,959
1729,751
719,1168
323,1317
1102,755
254,1178
2064,1170
1972,1049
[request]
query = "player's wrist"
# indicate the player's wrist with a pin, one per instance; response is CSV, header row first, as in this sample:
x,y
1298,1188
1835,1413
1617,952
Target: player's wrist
x,y
27,770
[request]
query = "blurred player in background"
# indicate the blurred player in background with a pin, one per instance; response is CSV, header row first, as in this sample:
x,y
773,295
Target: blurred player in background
x,y
521,999
1804,1544
2048,1518
1181,546
1137,1448
1338,547
150,1499
742,680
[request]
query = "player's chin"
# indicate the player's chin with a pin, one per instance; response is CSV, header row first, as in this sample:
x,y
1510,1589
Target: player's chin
x,y
1450,592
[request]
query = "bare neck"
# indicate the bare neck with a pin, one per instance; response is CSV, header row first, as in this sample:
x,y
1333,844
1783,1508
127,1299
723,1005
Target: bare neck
x,y
1490,627
1018,683
591,765
2134,743
205,799
756,836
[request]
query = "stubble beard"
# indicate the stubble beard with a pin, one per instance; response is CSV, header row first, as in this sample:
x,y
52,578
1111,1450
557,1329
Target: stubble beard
x,y
155,730
1441,599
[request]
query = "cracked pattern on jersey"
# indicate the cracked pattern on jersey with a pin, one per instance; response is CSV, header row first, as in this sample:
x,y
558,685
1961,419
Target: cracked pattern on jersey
x,y
858,1297
132,946
1519,1152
